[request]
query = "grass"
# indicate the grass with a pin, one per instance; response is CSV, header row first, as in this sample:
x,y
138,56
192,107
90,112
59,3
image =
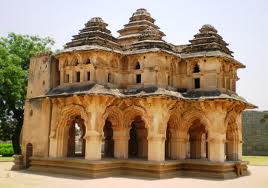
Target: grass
x,y
6,159
256,160
253,160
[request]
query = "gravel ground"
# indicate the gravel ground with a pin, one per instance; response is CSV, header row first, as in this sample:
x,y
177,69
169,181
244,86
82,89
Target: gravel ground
x,y
26,179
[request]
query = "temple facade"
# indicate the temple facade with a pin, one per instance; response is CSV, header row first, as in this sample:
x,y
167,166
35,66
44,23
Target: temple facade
x,y
135,104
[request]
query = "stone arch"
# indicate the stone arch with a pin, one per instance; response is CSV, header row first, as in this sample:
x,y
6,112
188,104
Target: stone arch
x,y
136,123
113,114
137,66
68,113
76,59
196,129
133,111
196,68
110,122
171,134
65,62
189,116
233,137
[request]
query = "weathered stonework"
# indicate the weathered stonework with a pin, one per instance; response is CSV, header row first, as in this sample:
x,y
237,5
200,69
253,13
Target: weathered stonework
x,y
135,96
255,132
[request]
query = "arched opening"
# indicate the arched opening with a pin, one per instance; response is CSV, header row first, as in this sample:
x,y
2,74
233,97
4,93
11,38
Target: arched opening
x,y
138,144
137,66
231,145
168,143
29,153
196,69
76,141
107,142
198,147
88,61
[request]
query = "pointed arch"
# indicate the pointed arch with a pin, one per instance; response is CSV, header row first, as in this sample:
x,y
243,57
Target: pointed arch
x,y
68,114
137,66
233,137
130,113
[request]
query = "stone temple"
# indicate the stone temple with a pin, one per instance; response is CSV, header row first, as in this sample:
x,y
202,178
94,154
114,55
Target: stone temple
x,y
135,105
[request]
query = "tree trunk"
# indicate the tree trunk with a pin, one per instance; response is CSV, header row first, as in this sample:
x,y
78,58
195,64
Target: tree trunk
x,y
18,115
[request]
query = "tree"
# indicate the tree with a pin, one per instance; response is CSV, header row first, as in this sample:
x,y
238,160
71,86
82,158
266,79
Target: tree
x,y
15,53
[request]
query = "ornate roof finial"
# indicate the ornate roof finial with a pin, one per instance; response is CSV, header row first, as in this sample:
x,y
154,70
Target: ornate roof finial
x,y
141,11
208,28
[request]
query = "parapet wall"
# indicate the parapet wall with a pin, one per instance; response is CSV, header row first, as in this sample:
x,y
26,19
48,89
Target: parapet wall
x,y
255,132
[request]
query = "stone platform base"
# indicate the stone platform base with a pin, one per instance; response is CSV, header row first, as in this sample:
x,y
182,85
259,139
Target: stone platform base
x,y
142,168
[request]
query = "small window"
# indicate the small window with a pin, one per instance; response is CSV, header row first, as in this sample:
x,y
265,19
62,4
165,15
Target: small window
x,y
67,78
88,76
109,77
138,78
168,80
196,68
88,61
197,83
137,66
77,76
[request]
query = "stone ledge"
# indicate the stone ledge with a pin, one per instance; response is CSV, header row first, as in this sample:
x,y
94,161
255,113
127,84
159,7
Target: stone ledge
x,y
140,168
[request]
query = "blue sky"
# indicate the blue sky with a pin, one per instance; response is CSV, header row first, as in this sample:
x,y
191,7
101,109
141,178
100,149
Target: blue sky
x,y
242,23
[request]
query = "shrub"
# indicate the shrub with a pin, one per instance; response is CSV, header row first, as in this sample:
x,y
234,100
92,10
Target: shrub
x,y
6,150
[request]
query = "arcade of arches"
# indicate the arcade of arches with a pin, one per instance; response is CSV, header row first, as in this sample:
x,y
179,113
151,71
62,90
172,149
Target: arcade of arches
x,y
155,131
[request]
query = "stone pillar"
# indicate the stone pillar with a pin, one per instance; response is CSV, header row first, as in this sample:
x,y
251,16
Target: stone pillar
x,y
239,152
62,77
203,146
142,143
216,147
231,154
195,145
93,145
121,144
71,77
156,148
179,146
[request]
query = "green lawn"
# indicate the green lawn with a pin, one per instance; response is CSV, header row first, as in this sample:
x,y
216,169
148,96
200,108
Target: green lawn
x,y
256,160
6,158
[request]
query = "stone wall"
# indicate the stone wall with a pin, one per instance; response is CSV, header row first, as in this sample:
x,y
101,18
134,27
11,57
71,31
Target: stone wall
x,y
255,132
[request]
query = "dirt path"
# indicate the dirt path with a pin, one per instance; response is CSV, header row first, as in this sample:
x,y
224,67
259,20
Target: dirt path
x,y
26,179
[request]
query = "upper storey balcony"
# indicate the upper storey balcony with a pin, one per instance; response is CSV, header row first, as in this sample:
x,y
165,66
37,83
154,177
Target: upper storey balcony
x,y
140,58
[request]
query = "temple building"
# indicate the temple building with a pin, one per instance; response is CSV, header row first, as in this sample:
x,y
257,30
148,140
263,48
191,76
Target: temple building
x,y
135,104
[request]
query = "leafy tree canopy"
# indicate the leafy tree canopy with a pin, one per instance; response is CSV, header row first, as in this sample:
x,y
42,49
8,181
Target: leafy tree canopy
x,y
15,53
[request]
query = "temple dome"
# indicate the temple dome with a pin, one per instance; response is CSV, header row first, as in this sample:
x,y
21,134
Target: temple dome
x,y
206,40
94,33
140,24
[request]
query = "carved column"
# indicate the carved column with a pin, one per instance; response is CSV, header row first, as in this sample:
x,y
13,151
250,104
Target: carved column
x,y
203,146
156,147
239,152
216,147
62,76
179,146
121,138
93,145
